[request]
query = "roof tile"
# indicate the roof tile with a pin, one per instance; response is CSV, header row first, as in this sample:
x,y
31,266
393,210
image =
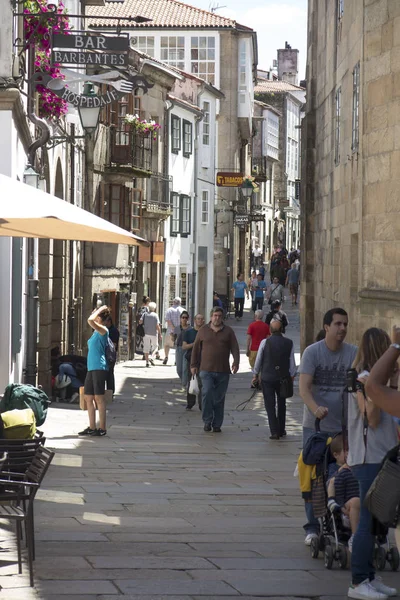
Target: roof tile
x,y
163,13
268,85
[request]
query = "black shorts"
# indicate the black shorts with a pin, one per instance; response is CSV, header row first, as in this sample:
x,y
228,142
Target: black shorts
x,y
95,383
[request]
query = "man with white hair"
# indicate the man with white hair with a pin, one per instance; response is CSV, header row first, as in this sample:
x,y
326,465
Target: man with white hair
x,y
173,319
256,332
151,326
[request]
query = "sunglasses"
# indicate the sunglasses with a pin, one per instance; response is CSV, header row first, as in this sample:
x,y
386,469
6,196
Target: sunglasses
x,y
184,317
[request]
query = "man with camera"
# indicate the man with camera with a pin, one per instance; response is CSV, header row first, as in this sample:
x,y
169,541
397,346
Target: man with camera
x,y
322,385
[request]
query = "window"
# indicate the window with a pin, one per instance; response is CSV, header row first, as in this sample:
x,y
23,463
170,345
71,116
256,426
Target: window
x,y
175,219
338,102
187,138
175,134
340,9
206,123
181,215
185,216
356,105
173,51
242,72
136,208
146,44
204,207
122,206
202,57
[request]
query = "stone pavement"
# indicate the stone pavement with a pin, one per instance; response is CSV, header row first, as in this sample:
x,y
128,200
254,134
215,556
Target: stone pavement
x,y
161,510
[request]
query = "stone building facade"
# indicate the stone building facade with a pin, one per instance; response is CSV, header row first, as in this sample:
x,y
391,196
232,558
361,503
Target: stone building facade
x,y
350,165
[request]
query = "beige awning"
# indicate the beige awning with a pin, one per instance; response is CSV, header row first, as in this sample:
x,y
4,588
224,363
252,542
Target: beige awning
x,y
28,212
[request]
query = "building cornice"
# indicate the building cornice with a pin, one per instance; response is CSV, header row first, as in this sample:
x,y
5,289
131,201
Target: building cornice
x,y
10,99
382,295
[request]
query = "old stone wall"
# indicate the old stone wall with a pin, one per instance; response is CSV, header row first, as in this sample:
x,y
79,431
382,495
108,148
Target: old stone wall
x,y
350,207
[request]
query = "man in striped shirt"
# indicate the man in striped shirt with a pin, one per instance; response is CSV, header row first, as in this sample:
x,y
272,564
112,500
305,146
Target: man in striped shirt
x,y
343,488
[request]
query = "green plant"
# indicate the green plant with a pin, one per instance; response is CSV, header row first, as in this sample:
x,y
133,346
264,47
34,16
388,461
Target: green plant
x,y
39,25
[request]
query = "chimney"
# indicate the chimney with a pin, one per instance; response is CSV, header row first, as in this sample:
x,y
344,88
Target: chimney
x,y
288,64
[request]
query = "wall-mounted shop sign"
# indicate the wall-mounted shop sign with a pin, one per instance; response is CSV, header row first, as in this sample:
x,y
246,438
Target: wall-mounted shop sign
x,y
241,220
229,179
121,87
90,49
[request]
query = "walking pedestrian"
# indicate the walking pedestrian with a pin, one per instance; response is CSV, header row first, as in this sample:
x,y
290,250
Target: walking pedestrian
x,y
189,337
172,318
258,293
322,387
95,381
152,329
239,288
275,291
372,432
275,362
277,314
214,344
256,332
114,337
292,280
181,365
139,332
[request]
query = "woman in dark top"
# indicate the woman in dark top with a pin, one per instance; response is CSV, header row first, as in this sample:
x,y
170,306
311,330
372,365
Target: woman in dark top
x,y
181,364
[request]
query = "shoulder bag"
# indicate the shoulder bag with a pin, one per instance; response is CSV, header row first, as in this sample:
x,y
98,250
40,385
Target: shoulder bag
x,y
383,497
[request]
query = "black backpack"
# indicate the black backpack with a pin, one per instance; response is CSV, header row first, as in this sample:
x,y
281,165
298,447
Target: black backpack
x,y
111,353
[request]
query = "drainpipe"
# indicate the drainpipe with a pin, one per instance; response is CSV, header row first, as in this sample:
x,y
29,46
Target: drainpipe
x,y
71,307
30,371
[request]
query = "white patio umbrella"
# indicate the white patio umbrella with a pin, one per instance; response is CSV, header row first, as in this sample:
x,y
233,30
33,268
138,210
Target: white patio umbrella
x,y
28,212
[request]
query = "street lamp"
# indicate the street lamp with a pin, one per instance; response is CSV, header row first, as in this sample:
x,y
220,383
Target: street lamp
x,y
247,188
31,178
89,115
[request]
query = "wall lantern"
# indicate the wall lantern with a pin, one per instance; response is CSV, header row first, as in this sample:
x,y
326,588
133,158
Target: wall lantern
x,y
247,188
89,116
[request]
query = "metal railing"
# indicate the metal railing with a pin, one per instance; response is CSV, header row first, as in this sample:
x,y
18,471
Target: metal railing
x,y
158,193
128,147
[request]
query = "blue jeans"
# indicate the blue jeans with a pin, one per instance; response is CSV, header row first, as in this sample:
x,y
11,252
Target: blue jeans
x,y
68,369
181,365
312,525
214,386
362,566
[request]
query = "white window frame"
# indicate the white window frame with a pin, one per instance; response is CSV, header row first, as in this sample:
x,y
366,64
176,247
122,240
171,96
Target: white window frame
x,y
146,44
205,207
174,52
206,123
204,64
355,133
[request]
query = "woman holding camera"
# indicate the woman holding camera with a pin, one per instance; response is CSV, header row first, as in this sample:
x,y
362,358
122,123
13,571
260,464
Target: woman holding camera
x,y
372,433
95,381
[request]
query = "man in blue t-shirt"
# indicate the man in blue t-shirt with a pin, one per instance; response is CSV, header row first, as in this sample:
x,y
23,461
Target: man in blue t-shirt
x,y
258,293
238,289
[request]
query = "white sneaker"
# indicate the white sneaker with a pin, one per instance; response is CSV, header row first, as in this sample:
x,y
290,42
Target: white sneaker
x,y
309,538
365,591
378,585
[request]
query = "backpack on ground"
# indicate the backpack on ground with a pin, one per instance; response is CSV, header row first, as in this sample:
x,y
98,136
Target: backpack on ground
x,y
24,395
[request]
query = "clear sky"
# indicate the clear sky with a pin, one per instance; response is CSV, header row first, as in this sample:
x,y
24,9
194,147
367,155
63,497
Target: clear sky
x,y
275,21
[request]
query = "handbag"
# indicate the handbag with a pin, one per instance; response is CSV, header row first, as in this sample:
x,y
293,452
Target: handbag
x,y
286,387
383,497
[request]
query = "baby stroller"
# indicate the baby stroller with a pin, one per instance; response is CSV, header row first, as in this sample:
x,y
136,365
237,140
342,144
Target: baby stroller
x,y
334,534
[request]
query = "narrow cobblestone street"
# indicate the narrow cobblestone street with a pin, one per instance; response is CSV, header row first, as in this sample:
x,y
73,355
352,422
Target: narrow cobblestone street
x,y
161,510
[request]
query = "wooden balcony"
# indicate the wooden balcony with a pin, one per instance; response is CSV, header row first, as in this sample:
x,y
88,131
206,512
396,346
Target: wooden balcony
x,y
131,149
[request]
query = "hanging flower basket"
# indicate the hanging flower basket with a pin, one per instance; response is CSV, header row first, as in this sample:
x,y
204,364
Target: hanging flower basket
x,y
249,181
143,127
39,24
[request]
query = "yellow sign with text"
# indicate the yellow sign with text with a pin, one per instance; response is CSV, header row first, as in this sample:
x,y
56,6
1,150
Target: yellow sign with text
x,y
229,179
